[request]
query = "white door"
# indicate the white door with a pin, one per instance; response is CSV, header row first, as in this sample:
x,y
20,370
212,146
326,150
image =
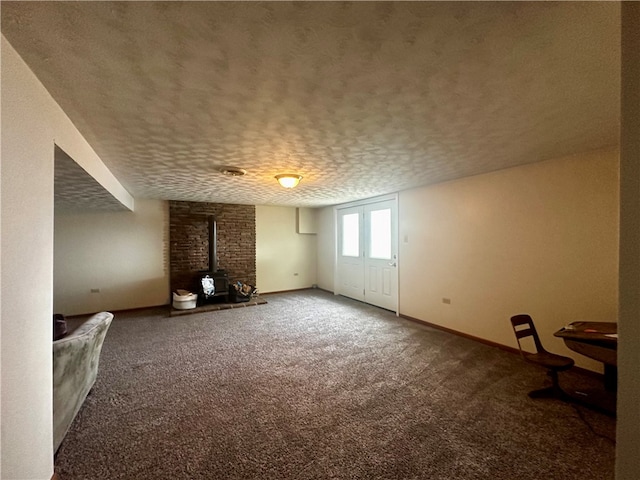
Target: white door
x,y
367,253
380,254
350,276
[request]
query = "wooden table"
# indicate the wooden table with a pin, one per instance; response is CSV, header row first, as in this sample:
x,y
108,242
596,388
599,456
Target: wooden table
x,y
597,340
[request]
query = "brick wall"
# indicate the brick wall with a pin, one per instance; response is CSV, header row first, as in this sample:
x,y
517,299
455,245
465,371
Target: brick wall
x,y
189,242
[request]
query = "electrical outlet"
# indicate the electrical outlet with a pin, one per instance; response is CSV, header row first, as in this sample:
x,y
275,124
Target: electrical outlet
x,y
447,301
95,290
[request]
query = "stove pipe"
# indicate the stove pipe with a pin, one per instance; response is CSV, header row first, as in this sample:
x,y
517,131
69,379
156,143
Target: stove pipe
x,y
213,243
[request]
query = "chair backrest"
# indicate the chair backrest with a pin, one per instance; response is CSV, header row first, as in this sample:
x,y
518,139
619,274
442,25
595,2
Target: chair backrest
x,y
523,327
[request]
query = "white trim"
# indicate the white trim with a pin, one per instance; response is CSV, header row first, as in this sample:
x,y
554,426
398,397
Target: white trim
x,y
335,249
366,201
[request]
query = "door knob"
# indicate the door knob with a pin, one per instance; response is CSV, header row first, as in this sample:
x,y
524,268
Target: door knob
x,y
392,264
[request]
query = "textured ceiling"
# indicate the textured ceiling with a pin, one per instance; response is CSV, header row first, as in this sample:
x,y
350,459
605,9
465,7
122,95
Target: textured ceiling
x,y
360,98
77,191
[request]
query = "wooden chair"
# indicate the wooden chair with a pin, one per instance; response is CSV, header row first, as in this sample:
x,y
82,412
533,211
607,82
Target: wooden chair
x,y
523,327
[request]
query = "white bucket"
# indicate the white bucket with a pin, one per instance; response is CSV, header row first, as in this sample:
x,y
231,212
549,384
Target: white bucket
x,y
183,300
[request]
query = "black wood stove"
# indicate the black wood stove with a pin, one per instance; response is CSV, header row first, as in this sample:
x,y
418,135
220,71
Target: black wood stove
x,y
214,283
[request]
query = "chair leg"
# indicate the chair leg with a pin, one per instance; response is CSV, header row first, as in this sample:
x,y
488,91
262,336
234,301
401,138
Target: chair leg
x,y
553,391
547,392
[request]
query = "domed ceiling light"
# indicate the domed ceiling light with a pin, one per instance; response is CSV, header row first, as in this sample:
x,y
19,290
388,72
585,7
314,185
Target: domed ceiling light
x,y
288,180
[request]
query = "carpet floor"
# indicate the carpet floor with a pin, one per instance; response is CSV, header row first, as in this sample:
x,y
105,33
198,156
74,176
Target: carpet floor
x,y
317,386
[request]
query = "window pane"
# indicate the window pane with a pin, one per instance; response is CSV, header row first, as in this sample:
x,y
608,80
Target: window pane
x,y
350,235
380,234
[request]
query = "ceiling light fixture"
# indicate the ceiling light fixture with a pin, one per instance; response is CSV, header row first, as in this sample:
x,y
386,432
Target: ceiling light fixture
x,y
233,171
288,180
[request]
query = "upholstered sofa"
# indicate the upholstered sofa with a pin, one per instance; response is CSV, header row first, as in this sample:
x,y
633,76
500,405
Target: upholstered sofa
x,y
75,368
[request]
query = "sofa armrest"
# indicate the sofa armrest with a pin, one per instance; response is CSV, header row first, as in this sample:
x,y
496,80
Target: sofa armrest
x,y
75,368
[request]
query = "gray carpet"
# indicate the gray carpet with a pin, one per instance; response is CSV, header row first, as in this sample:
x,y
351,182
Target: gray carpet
x,y
314,386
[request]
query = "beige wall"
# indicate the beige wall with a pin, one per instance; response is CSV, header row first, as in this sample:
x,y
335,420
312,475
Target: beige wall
x,y
628,431
123,254
31,123
539,239
27,253
326,222
285,260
